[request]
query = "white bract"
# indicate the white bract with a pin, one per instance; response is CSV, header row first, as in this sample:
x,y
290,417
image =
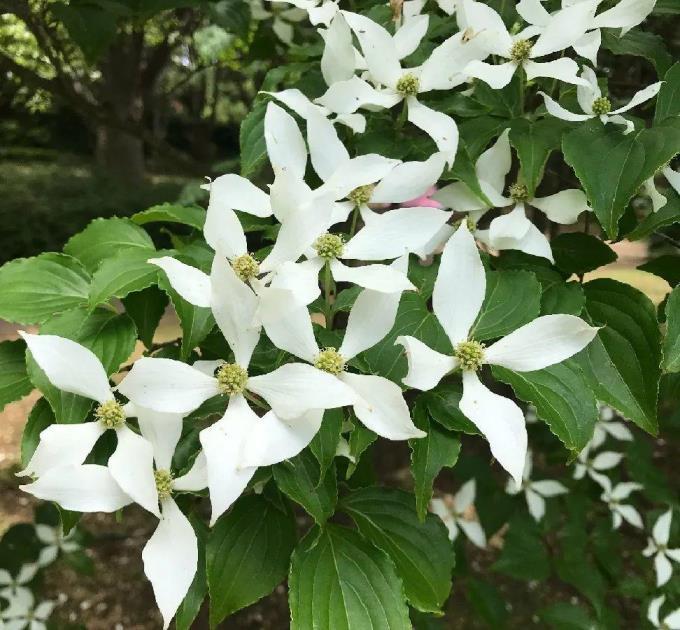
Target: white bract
x,y
512,230
319,11
670,621
657,546
649,187
614,495
55,543
563,29
457,512
22,613
171,554
10,584
594,105
593,465
535,492
457,299
608,426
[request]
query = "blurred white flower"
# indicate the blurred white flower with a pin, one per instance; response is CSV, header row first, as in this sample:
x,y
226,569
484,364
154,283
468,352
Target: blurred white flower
x,y
608,426
670,622
657,546
614,496
54,540
22,612
10,584
457,512
594,465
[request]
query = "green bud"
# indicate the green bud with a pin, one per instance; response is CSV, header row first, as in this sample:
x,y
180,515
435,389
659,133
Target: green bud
x,y
601,106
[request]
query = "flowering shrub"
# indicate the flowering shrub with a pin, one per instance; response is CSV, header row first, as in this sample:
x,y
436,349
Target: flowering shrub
x,y
391,277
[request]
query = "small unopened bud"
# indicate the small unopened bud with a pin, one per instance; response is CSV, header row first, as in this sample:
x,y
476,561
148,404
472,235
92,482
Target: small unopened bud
x,y
329,246
110,414
470,355
408,85
245,267
231,379
520,50
601,106
330,360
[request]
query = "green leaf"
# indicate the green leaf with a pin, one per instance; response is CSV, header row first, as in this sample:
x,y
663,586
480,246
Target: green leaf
x,y
251,139
146,307
40,417
91,27
104,238
123,274
14,381
654,221
325,442
513,298
298,478
338,580
442,405
640,44
524,555
360,439
232,15
247,554
562,399
193,216
193,600
671,344
563,616
438,449
478,132
666,7
34,289
463,169
563,297
621,364
666,267
612,166
534,142
421,550
579,253
668,99
487,601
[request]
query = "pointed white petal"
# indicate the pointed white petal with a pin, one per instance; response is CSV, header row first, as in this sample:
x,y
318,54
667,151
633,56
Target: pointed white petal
x,y
234,306
356,122
296,101
323,14
507,229
459,197
296,388
483,21
224,233
380,51
460,285
631,515
86,488
131,465
273,440
293,333
565,27
663,569
494,164
191,283
408,37
588,91
440,127
394,233
409,180
533,12
465,496
555,109
382,407
673,554
606,460
337,61
426,367
640,97
382,278
223,444
325,148
563,69
624,489
359,171
233,192
171,559
473,530
371,317
196,478
63,444
345,97
496,76
548,488
500,420
662,528
167,386
653,610
536,504
588,45
163,431
673,178
69,366
47,556
673,620
619,431
285,145
288,194
545,341
625,15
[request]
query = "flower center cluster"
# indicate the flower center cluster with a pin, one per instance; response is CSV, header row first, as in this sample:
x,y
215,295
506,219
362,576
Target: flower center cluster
x,y
521,50
330,360
601,106
329,246
246,267
362,195
163,483
231,379
408,85
470,355
110,414
519,192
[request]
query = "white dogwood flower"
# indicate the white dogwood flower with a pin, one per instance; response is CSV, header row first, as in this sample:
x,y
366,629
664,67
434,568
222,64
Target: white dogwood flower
x,y
457,299
54,543
670,621
595,105
73,368
608,426
457,512
23,613
171,554
649,187
319,11
563,29
657,546
512,230
535,492
614,496
10,584
593,466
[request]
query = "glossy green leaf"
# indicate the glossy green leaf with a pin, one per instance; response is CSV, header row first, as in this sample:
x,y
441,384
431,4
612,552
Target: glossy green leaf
x,y
325,442
193,216
40,417
671,345
251,138
524,555
14,381
563,297
146,307
668,99
442,405
639,43
579,253
666,267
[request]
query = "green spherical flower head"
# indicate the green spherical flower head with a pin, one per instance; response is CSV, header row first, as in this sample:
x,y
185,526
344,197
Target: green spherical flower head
x,y
110,414
231,379
362,195
521,50
329,246
601,106
330,360
163,483
408,85
246,267
519,192
470,355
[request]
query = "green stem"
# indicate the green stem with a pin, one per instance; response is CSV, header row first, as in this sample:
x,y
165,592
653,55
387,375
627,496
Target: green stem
x,y
402,116
355,218
255,400
328,288
522,82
